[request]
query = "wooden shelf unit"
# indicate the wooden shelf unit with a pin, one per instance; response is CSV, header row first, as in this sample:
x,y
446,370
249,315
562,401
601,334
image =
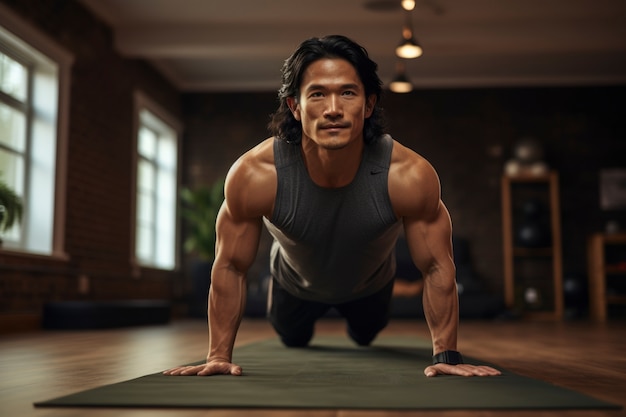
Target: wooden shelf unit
x,y
516,255
600,269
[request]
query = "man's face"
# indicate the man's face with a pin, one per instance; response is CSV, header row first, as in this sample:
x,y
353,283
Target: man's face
x,y
332,106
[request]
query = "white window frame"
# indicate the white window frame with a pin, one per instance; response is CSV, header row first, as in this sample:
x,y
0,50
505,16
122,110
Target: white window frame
x,y
44,54
163,122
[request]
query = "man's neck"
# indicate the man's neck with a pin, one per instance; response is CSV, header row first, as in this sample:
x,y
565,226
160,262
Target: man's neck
x,y
332,168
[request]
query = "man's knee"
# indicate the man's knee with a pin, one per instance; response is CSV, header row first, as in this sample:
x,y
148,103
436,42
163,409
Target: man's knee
x,y
362,338
364,333
293,336
296,342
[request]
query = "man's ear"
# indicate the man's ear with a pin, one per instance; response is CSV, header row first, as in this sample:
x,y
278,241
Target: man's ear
x,y
369,105
292,102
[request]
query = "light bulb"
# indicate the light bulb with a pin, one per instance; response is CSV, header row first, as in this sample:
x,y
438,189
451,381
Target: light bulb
x,y
408,4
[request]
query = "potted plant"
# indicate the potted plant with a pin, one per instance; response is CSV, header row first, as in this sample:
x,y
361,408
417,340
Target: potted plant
x,y
199,209
11,208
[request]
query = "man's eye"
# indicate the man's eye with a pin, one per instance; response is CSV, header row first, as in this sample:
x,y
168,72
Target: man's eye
x,y
349,93
316,94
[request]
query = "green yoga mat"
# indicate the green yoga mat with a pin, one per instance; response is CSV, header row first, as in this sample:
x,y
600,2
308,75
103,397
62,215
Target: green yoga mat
x,y
333,373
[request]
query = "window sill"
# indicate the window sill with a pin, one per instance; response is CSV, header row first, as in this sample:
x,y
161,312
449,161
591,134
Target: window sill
x,y
16,253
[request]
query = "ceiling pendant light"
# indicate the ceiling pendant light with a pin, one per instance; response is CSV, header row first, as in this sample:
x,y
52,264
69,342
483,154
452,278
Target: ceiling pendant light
x,y
401,83
409,47
408,4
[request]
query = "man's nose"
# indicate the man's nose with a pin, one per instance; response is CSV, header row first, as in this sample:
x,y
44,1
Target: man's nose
x,y
333,107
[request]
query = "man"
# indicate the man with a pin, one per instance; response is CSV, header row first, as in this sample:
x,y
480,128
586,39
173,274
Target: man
x,y
334,192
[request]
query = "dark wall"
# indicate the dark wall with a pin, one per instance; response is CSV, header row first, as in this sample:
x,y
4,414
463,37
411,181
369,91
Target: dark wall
x,y
468,135
98,219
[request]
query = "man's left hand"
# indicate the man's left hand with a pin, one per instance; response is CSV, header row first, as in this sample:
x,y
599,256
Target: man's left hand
x,y
461,370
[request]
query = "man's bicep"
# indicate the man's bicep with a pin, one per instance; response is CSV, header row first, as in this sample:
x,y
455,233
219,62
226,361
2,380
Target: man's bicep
x,y
430,240
237,239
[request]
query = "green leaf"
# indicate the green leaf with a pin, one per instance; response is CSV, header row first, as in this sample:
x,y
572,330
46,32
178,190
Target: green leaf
x,y
11,207
199,209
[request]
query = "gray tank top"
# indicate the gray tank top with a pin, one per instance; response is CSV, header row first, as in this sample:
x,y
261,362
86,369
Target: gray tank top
x,y
333,245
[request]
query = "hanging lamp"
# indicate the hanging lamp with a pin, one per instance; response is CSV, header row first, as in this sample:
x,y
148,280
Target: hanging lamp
x,y
401,83
408,4
408,48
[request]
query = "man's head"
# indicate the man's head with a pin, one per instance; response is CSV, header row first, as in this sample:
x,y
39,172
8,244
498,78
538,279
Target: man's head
x,y
284,125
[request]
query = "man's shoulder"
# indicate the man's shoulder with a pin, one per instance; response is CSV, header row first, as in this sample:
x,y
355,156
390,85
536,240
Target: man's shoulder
x,y
405,160
261,153
413,182
251,181
259,158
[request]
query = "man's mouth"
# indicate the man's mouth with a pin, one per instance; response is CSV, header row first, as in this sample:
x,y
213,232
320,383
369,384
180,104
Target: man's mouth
x,y
334,126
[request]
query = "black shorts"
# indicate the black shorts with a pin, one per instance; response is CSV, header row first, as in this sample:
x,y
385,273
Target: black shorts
x,y
294,318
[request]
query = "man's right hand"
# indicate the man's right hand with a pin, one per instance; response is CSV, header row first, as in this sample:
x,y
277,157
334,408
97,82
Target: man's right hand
x,y
209,368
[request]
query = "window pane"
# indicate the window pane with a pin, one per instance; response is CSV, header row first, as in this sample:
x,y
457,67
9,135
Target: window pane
x,y
12,128
145,176
147,143
167,152
12,171
167,189
145,209
13,77
13,234
144,243
165,244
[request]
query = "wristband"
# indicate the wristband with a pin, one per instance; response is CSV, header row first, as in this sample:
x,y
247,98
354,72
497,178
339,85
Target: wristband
x,y
451,357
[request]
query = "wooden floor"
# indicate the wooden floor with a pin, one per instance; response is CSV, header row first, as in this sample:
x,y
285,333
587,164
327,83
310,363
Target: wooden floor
x,y
587,357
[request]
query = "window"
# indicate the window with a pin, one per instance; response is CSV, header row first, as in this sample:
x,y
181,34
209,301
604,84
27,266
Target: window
x,y
156,201
14,108
33,94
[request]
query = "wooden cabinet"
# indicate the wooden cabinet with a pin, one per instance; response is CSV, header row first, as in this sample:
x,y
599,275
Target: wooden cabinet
x,y
606,259
533,270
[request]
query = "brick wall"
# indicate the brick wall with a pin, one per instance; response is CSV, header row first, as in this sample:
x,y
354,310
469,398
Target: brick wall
x,y
98,214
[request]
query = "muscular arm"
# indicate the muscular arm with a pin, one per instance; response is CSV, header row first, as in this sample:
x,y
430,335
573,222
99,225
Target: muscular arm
x,y
249,195
428,232
415,194
430,244
236,247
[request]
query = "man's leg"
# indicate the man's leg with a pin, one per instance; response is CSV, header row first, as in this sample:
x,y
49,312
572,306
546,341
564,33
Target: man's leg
x,y
367,316
293,318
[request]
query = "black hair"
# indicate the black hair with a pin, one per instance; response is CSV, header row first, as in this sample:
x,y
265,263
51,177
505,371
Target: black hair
x,y
284,126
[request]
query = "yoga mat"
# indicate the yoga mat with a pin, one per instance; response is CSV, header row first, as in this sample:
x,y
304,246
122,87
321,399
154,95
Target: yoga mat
x,y
333,373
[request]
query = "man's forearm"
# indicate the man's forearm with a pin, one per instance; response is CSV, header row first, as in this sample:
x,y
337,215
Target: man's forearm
x,y
441,308
226,305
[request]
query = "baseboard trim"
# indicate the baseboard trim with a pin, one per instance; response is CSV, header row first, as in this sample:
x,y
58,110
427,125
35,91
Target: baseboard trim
x,y
105,314
19,322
